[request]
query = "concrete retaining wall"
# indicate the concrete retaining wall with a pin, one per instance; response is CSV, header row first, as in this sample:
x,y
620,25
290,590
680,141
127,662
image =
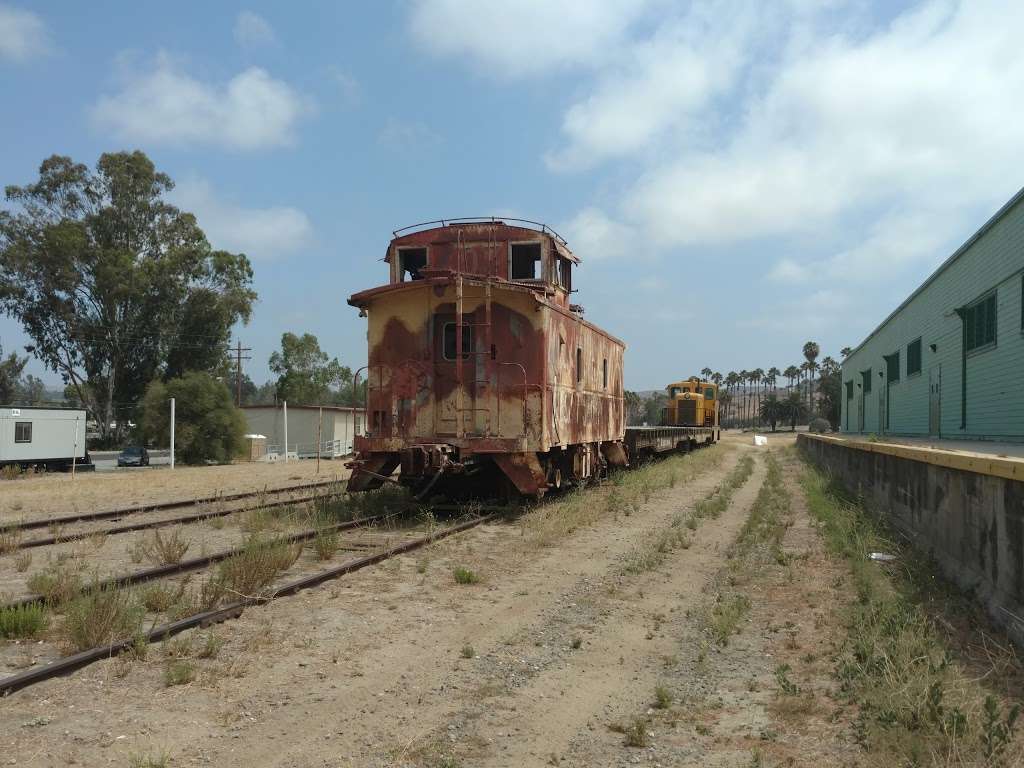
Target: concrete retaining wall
x,y
972,523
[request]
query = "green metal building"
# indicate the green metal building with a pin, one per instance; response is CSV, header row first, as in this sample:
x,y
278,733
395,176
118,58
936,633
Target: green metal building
x,y
949,361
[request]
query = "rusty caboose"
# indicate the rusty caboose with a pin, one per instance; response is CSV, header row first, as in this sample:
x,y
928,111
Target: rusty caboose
x,y
481,372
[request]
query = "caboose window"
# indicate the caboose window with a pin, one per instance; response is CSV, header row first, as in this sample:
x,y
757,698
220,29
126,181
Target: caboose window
x,y
23,431
449,350
525,259
604,372
564,275
579,364
410,262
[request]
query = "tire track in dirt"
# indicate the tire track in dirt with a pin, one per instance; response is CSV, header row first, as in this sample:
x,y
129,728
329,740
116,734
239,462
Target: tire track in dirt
x,y
550,703
343,675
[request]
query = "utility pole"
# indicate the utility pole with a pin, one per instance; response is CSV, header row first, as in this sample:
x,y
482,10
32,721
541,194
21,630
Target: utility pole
x,y
239,349
172,433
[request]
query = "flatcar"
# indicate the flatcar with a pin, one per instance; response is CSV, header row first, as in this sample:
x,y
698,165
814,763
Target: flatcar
x,y
481,370
689,420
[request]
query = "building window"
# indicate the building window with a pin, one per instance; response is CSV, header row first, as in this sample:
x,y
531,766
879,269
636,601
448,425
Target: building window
x,y
892,367
604,372
914,357
980,323
449,350
849,390
23,431
525,259
579,365
866,381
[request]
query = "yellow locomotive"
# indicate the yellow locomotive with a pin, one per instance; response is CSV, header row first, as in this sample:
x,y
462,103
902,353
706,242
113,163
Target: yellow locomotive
x,y
691,403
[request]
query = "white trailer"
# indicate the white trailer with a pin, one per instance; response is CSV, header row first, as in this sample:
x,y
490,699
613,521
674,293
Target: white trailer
x,y
53,438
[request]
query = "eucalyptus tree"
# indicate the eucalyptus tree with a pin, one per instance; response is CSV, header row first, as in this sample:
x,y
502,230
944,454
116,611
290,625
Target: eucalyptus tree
x,y
115,286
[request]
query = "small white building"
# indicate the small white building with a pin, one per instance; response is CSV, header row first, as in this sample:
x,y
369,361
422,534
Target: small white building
x,y
337,425
50,437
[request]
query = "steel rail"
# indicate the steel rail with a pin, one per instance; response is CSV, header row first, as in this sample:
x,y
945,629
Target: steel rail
x,y
25,525
195,518
195,563
216,616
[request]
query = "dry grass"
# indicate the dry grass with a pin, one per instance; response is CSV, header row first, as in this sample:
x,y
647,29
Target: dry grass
x,y
917,704
100,616
166,547
22,621
257,565
10,538
625,492
57,494
57,583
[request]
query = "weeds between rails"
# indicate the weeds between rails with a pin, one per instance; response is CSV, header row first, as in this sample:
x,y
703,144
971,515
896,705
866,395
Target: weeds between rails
x,y
106,612
916,703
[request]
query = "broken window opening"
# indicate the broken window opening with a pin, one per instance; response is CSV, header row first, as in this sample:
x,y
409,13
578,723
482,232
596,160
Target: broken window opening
x,y
564,274
525,259
411,261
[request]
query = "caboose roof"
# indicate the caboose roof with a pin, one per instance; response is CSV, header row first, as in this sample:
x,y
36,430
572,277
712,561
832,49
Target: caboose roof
x,y
475,230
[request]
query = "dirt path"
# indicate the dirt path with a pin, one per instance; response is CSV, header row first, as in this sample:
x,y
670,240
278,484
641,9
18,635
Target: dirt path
x,y
369,670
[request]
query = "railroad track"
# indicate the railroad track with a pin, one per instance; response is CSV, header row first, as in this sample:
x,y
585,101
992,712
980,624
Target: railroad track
x,y
234,609
198,517
111,514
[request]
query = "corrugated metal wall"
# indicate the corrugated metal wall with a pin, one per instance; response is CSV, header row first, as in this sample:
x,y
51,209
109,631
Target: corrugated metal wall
x,y
995,391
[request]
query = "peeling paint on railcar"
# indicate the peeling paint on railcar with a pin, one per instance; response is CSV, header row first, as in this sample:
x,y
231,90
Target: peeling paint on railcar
x,y
537,384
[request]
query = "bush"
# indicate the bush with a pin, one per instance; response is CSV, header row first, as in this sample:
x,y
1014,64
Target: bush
x,y
22,621
208,428
820,426
101,616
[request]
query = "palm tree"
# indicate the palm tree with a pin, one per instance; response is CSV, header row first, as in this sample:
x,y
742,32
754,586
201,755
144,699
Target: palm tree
x,y
791,373
773,377
757,375
795,409
845,352
829,366
773,410
811,352
706,373
742,382
730,381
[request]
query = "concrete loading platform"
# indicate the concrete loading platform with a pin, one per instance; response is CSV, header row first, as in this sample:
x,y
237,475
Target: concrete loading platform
x,y
961,503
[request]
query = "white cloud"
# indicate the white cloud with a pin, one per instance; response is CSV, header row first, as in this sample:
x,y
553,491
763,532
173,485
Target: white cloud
x,y
260,233
22,34
592,234
252,30
856,147
167,106
517,38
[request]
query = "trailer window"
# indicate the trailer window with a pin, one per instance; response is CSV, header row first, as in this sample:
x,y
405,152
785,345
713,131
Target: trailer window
x,y
23,431
449,341
411,261
525,261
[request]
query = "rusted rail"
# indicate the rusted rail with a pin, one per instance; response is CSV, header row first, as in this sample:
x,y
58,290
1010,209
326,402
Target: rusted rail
x,y
77,661
111,514
195,518
196,563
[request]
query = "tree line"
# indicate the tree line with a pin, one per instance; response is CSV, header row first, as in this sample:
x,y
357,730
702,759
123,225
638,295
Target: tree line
x,y
754,398
124,298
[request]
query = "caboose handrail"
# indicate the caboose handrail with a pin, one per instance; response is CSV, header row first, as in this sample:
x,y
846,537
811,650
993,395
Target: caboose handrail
x,y
540,226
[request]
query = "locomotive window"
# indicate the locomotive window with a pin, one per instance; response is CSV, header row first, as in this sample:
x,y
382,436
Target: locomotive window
x,y
449,341
579,365
23,431
709,394
525,261
411,261
604,372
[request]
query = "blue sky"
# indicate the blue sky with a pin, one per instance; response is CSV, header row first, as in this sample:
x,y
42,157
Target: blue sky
x,y
738,177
